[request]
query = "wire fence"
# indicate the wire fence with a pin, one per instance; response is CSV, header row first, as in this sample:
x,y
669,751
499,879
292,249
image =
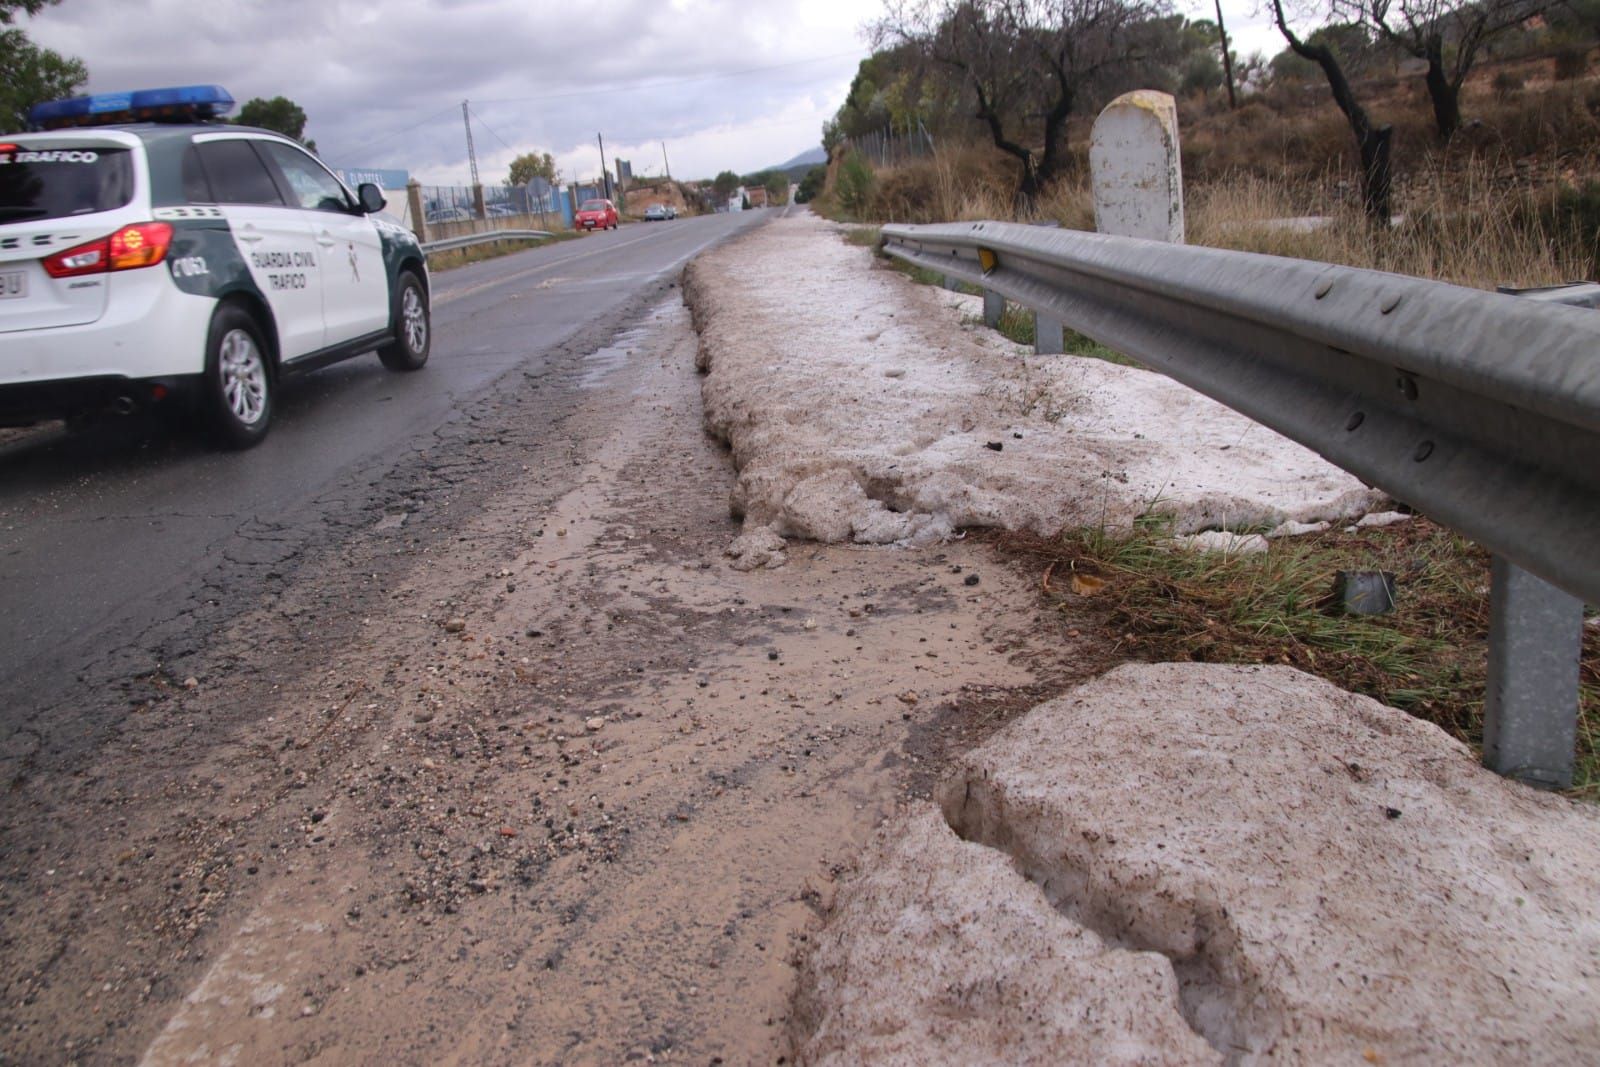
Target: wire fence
x,y
448,203
895,143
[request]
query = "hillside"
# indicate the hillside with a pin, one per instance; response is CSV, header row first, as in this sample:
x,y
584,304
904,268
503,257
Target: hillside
x,y
1511,199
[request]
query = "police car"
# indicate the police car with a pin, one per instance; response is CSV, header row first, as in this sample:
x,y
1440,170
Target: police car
x,y
150,255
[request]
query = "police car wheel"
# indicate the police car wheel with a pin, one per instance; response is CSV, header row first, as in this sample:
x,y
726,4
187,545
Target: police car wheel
x,y
237,394
413,329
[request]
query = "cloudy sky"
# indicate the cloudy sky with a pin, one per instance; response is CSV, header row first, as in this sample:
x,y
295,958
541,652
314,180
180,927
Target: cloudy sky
x,y
726,84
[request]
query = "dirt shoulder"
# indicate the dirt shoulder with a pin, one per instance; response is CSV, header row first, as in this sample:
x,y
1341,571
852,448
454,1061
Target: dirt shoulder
x,y
521,769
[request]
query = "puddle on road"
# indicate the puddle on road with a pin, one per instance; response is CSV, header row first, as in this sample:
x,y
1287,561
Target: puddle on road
x,y
601,363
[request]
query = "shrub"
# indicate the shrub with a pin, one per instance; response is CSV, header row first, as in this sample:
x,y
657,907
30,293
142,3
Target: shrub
x,y
854,188
1507,84
1571,62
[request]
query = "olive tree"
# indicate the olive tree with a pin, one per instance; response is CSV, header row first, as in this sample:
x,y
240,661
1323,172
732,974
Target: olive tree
x,y
1027,65
1448,35
1373,140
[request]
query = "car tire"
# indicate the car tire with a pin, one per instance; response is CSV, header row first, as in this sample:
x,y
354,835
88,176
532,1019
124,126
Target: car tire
x,y
236,393
413,326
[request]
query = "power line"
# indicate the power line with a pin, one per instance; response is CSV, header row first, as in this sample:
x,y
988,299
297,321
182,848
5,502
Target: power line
x,y
639,86
491,130
395,133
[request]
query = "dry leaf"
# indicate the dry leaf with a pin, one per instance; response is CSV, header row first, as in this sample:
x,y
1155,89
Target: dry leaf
x,y
1087,584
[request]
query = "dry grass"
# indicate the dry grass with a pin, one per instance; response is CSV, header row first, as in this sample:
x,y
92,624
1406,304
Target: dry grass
x,y
1468,228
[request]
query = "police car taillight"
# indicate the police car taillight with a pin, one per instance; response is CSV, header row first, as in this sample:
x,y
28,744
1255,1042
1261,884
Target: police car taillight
x,y
83,259
144,244
184,103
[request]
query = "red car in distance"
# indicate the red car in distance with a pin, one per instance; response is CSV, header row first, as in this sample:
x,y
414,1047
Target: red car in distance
x,y
596,215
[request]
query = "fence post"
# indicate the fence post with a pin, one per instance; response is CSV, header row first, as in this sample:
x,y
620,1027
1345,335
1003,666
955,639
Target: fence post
x,y
419,218
480,209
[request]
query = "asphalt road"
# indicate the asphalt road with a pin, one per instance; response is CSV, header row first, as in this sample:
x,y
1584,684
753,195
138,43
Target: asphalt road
x,y
128,541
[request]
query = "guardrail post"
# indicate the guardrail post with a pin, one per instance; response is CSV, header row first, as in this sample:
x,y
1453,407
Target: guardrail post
x,y
1530,702
1048,336
1530,707
952,284
994,306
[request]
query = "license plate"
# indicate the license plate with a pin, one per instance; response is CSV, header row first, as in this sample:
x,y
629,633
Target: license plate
x,y
13,285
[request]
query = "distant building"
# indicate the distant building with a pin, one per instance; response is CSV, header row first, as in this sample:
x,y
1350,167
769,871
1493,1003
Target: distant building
x,y
757,195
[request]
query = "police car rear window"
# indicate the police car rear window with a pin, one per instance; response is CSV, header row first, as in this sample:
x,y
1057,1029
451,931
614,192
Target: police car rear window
x,y
58,181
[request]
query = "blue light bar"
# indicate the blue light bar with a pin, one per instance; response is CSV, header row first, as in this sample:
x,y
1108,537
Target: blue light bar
x,y
183,103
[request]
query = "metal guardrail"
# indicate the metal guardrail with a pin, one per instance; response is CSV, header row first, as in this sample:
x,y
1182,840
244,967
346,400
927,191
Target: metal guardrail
x,y
449,244
1480,409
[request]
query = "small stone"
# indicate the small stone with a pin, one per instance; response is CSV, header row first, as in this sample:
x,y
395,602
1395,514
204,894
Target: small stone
x,y
971,579
594,724
191,683
507,831
454,626
810,624
908,697
994,446
772,653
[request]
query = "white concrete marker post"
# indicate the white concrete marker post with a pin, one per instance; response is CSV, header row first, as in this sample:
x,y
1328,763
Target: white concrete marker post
x,y
1135,168
1137,177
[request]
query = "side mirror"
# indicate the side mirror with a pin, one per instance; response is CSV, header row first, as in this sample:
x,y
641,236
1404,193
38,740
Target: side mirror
x,y
371,198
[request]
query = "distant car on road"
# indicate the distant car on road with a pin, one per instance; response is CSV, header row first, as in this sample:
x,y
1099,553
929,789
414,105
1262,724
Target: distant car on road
x,y
449,214
596,215
500,210
657,213
150,255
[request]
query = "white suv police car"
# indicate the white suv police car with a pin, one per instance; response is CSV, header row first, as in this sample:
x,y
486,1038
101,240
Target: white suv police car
x,y
148,255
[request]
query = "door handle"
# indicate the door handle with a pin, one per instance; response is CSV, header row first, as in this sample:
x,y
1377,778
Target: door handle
x,y
250,235
326,240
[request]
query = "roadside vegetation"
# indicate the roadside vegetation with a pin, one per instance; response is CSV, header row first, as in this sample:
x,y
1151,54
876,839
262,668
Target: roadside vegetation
x,y
1509,196
1427,657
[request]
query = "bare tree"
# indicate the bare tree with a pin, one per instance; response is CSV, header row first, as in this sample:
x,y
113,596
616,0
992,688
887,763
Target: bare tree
x,y
1227,56
1372,141
1025,62
1447,34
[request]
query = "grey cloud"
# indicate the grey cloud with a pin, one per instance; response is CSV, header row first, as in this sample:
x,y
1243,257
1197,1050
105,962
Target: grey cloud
x,y
363,71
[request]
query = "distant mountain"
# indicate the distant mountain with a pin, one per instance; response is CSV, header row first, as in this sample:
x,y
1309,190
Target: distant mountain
x,y
797,167
809,158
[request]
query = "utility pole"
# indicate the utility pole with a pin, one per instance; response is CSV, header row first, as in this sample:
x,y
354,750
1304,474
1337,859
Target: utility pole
x,y
472,154
664,162
605,175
